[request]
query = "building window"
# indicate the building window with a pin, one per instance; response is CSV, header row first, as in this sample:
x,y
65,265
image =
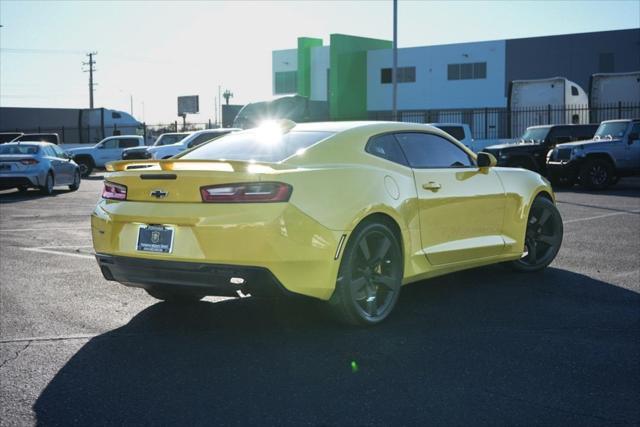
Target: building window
x,y
405,75
606,63
386,75
477,70
286,82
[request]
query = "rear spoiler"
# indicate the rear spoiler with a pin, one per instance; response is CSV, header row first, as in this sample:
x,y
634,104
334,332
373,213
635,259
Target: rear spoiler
x,y
192,164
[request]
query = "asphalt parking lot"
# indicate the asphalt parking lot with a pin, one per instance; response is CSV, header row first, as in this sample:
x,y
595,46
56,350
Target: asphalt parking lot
x,y
481,347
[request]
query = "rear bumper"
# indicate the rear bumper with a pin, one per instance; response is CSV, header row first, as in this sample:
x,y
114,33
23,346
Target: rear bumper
x,y
296,251
196,277
13,181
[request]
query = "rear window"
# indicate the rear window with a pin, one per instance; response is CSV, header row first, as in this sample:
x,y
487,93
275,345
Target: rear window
x,y
170,139
19,149
252,145
39,137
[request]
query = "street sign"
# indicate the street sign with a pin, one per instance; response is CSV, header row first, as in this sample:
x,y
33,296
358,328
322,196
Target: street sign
x,y
188,105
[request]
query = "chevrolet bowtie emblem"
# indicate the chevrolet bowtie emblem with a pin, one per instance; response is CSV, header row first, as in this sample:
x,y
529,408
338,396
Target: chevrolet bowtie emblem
x,y
159,194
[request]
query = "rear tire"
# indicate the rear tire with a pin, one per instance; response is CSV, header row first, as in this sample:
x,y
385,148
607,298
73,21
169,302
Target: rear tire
x,y
76,181
370,276
86,166
596,174
47,188
173,297
543,237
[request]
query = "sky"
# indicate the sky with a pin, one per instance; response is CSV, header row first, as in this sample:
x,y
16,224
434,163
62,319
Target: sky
x,y
154,51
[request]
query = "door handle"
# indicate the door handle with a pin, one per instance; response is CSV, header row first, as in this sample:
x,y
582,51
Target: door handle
x,y
433,186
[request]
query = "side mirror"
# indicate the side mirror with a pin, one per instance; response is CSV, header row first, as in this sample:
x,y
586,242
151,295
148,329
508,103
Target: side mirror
x,y
486,160
633,136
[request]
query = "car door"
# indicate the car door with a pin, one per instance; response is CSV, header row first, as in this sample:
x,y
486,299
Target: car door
x,y
461,206
59,172
107,151
68,169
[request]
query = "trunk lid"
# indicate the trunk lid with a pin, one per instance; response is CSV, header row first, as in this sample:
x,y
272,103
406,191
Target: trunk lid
x,y
10,163
180,181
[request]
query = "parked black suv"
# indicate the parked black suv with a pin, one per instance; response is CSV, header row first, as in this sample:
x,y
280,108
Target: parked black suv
x,y
531,152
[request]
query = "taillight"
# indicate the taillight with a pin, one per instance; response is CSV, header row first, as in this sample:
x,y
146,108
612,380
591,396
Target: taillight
x,y
114,191
250,192
29,162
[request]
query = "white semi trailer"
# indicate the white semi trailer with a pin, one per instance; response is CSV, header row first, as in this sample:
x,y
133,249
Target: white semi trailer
x,y
614,96
556,100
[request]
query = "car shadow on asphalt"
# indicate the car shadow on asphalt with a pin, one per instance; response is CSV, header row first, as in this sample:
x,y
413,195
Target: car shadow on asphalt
x,y
21,196
485,346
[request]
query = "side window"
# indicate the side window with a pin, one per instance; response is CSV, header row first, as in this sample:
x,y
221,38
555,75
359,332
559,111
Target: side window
x,y
128,142
48,151
110,144
58,151
636,129
115,115
424,150
386,147
202,138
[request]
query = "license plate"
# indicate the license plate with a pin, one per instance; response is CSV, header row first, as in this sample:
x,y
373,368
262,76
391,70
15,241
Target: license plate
x,y
155,238
5,167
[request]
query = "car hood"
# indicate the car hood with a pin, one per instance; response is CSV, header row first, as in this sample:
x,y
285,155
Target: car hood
x,y
588,143
514,147
80,150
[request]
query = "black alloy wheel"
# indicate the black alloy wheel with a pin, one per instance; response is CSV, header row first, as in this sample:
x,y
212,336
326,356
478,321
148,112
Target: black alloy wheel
x,y
370,276
596,174
543,237
86,167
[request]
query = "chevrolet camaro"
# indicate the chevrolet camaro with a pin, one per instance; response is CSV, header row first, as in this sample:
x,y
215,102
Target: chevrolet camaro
x,y
345,212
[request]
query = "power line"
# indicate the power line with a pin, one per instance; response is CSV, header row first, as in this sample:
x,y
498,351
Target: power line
x,y
91,70
42,51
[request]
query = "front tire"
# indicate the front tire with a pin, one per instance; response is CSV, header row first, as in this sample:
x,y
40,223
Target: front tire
x,y
596,174
370,276
173,297
543,237
47,188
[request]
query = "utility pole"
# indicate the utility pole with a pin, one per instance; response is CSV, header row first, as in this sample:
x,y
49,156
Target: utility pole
x,y
394,72
219,118
91,70
226,95
131,102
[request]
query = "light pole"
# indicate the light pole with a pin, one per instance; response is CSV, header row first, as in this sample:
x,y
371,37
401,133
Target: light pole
x,y
394,71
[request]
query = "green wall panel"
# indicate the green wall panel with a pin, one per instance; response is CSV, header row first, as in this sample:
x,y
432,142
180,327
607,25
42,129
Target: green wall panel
x,y
304,63
348,75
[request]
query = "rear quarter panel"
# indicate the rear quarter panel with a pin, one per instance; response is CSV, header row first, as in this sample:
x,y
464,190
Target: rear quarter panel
x,y
521,188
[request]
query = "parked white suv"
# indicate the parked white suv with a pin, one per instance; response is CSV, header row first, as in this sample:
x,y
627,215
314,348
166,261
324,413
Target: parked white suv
x,y
105,151
196,138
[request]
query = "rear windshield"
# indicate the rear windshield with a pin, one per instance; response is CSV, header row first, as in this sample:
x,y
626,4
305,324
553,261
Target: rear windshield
x,y
170,139
38,137
19,149
252,145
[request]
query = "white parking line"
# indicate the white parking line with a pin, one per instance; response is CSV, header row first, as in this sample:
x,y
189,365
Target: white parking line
x,y
569,221
15,230
50,251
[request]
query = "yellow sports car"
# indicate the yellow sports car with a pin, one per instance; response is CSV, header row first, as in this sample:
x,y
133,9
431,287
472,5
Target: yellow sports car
x,y
345,212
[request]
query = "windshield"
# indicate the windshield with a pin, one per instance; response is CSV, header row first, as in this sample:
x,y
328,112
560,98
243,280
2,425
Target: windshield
x,y
613,130
535,135
252,145
19,149
166,139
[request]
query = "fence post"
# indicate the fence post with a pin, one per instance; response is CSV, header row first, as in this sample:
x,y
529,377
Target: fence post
x,y
486,123
39,129
619,110
88,134
548,114
144,132
62,133
175,126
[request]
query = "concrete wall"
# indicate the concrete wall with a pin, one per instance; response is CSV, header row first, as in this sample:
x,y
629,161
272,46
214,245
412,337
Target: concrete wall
x,y
431,89
319,66
282,60
574,56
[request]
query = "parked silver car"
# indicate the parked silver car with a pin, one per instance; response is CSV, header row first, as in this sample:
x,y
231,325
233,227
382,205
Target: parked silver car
x,y
42,165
